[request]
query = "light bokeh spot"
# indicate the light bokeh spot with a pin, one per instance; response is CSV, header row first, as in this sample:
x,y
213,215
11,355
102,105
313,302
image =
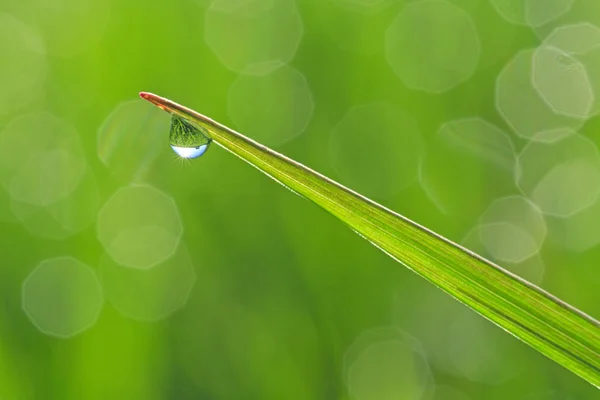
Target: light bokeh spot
x,y
554,135
433,46
445,392
521,105
581,43
459,342
497,37
562,81
575,39
531,12
6,214
255,334
376,148
477,137
65,217
131,139
512,229
41,159
48,178
23,67
473,151
62,297
562,177
358,26
481,239
149,295
549,395
578,232
365,6
141,246
86,21
385,364
507,242
582,11
53,192
468,339
139,226
253,36
282,105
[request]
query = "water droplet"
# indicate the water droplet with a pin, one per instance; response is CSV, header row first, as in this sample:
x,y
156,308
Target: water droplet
x,y
187,139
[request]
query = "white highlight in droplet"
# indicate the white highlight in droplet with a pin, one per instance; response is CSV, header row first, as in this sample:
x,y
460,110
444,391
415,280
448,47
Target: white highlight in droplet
x,y
190,152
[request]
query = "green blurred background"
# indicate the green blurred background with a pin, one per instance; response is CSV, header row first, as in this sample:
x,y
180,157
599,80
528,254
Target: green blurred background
x,y
128,273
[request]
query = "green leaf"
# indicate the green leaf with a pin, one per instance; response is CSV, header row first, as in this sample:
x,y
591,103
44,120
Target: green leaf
x,y
549,325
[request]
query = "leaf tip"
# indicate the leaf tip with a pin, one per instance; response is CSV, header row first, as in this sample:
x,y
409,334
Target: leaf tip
x,y
154,99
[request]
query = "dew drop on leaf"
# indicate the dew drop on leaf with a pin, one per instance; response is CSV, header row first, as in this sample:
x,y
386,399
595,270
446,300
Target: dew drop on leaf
x,y
186,139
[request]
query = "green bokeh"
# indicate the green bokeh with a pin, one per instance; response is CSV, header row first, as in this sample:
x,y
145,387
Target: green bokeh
x,y
284,295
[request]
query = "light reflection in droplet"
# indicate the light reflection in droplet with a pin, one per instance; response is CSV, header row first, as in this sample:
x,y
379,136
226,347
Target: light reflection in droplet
x,y
187,140
190,152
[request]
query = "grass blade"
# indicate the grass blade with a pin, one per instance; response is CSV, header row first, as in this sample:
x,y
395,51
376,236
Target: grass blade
x,y
549,325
